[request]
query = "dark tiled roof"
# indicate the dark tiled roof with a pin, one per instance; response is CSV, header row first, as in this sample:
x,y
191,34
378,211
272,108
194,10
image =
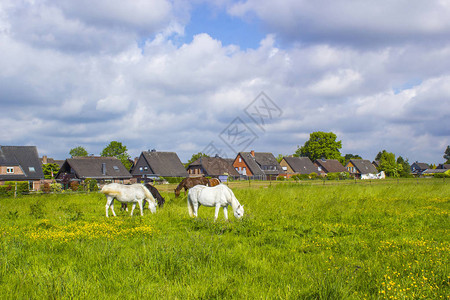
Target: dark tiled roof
x,y
165,164
215,166
92,167
444,166
364,166
263,163
24,156
420,166
330,165
301,165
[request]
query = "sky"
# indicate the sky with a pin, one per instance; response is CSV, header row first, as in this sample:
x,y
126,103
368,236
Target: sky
x,y
225,76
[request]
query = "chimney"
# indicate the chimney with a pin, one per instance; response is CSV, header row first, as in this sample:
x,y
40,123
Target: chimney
x,y
44,159
103,169
252,153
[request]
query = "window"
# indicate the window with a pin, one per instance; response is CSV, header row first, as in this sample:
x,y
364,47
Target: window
x,y
145,168
116,168
284,168
31,169
10,170
141,169
240,159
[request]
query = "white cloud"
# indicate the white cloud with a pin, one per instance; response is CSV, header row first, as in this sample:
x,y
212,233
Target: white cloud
x,y
65,69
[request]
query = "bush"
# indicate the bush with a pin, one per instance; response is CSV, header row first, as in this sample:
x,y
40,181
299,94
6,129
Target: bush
x,y
333,176
344,176
56,187
74,186
313,175
441,175
46,188
91,184
9,187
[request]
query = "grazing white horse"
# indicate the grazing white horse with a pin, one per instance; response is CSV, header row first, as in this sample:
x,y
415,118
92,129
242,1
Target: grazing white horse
x,y
135,193
217,196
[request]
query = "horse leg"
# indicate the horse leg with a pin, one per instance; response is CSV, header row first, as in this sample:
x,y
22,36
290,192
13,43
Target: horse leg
x,y
216,214
132,208
112,207
109,201
141,207
225,212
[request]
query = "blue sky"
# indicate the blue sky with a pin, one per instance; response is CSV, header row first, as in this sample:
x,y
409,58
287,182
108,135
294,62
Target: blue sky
x,y
182,76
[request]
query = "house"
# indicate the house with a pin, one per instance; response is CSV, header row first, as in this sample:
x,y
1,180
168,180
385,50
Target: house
x,y
216,167
292,165
102,169
358,167
257,165
153,164
326,166
417,168
376,163
443,166
21,163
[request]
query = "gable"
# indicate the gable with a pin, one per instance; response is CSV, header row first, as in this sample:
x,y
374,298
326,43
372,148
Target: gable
x,y
20,163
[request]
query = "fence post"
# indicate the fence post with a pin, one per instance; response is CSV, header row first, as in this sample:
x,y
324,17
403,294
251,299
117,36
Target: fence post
x,y
15,190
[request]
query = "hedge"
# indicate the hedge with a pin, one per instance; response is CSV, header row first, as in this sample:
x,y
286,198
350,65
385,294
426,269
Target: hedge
x,y
8,188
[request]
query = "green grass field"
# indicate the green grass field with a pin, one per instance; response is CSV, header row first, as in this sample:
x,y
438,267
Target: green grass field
x,y
384,241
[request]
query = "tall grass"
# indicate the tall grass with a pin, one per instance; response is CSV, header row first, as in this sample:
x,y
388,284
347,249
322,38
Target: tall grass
x,y
294,242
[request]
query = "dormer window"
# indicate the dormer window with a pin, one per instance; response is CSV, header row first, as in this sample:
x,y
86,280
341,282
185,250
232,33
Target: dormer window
x,y
9,170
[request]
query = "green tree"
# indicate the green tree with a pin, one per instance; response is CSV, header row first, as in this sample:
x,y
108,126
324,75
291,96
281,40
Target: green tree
x,y
447,155
378,157
320,144
406,167
389,165
194,158
78,151
280,158
117,149
50,169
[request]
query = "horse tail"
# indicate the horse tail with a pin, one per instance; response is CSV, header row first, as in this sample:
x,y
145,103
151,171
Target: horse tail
x,y
190,205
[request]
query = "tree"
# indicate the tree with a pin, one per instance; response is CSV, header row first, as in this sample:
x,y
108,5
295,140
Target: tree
x,y
447,155
50,170
378,157
116,149
194,158
389,165
406,167
78,151
320,144
280,158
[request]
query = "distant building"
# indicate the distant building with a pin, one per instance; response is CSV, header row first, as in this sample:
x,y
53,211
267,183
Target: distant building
x,y
257,165
48,160
21,163
216,167
292,165
102,169
358,167
152,165
326,166
417,168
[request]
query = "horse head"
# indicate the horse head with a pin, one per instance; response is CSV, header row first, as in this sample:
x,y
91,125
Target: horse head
x,y
239,212
177,193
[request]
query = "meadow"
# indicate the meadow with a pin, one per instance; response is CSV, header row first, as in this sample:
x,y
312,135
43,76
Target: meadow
x,y
296,241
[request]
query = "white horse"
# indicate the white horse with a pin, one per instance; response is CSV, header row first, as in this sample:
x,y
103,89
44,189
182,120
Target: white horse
x,y
135,193
217,196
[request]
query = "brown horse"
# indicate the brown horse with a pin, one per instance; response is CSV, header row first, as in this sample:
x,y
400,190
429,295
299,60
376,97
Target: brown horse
x,y
214,182
189,182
